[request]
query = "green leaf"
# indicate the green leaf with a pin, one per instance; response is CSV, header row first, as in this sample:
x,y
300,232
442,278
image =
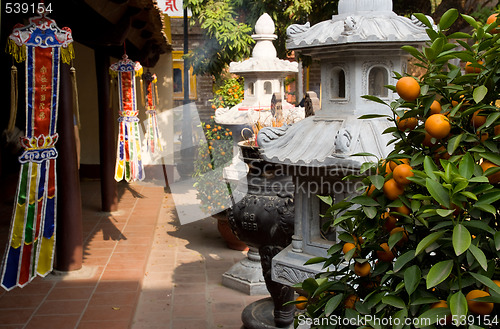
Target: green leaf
x,y
333,303
486,207
497,240
431,316
486,281
373,116
310,285
469,19
479,256
326,199
438,192
492,117
412,278
444,212
461,239
454,143
377,180
438,273
404,259
365,201
413,51
489,198
427,241
315,260
370,212
394,301
458,304
374,99
495,158
448,19
479,93
421,17
430,167
466,166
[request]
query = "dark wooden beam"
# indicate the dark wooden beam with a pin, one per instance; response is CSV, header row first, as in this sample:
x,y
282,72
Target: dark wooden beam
x,y
107,147
69,236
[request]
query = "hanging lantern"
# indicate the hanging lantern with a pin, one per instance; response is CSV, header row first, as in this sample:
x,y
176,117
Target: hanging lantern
x,y
151,99
128,158
42,45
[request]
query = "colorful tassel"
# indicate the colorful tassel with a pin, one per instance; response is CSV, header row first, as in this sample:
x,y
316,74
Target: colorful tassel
x,y
41,44
152,134
128,156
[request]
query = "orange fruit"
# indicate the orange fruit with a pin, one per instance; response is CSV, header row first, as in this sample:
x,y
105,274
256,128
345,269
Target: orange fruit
x,y
483,135
435,108
428,140
392,190
348,247
404,239
496,130
480,308
470,69
495,178
403,210
438,126
302,305
386,255
491,19
350,301
443,304
406,124
401,174
390,221
385,168
394,164
478,120
370,190
362,269
408,88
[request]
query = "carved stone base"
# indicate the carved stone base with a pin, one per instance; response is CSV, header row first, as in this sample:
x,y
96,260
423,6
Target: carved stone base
x,y
288,267
259,315
246,275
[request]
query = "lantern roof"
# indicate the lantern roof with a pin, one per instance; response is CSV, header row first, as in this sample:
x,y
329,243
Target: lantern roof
x,y
358,21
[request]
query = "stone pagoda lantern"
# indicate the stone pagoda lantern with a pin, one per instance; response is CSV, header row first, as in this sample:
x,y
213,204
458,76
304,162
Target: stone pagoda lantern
x,y
264,75
358,50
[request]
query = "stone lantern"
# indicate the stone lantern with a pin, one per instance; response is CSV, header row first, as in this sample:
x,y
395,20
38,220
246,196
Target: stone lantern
x,y
264,75
358,50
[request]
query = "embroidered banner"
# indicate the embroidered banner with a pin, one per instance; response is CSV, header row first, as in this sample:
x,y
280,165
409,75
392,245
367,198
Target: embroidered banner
x,y
128,158
42,45
152,133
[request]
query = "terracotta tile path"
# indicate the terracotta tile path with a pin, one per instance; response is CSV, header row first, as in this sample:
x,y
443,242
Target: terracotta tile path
x,y
141,269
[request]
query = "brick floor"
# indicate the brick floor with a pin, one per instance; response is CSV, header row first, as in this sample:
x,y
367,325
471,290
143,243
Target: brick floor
x,y
141,270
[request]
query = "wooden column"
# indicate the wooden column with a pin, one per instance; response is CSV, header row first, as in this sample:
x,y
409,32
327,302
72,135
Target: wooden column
x,y
69,236
107,146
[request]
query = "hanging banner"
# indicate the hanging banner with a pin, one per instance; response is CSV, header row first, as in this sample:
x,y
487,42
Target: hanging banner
x,y
152,133
128,158
42,45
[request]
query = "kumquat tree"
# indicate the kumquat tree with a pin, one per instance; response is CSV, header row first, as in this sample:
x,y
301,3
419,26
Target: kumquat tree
x,y
422,240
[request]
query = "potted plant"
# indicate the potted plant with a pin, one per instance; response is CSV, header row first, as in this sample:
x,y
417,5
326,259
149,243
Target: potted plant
x,y
422,240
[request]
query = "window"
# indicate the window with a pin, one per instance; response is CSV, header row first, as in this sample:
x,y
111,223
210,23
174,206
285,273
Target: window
x,y
377,79
251,89
178,77
268,87
337,83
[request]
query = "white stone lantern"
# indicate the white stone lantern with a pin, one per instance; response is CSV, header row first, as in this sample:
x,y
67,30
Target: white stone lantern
x,y
358,50
264,75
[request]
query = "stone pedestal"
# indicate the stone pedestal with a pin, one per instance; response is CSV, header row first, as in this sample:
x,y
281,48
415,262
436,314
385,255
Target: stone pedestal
x,y
246,275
